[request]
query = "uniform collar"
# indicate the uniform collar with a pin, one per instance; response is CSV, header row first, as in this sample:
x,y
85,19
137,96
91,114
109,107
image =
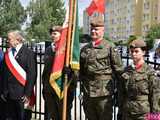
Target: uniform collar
x,y
97,44
18,47
140,68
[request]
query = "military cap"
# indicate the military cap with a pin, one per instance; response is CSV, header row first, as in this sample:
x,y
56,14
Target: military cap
x,y
55,28
138,43
97,22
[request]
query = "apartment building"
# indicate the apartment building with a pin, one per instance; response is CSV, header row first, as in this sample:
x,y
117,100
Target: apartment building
x,y
129,17
86,23
151,14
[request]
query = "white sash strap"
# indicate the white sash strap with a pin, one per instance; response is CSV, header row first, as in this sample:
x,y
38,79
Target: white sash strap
x,y
15,68
20,75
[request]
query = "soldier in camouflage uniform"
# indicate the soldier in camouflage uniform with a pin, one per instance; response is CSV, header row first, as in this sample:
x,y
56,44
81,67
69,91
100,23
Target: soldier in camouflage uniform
x,y
98,59
140,85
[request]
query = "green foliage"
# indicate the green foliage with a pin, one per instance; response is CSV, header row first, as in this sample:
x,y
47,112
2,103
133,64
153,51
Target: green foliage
x,y
80,32
106,37
119,42
130,39
126,42
153,33
43,14
12,16
150,43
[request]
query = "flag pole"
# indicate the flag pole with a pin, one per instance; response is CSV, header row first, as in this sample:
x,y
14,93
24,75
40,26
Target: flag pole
x,y
65,86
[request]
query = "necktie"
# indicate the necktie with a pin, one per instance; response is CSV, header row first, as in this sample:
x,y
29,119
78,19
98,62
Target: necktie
x,y
13,51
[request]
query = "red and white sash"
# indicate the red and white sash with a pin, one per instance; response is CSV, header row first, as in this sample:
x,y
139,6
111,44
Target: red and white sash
x,y
19,73
15,68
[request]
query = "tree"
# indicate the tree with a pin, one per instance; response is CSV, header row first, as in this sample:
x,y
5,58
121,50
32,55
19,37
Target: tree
x,y
130,39
106,37
12,16
43,14
152,34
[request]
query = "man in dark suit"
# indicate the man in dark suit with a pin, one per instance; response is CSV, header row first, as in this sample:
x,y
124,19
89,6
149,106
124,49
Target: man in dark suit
x,y
53,103
19,76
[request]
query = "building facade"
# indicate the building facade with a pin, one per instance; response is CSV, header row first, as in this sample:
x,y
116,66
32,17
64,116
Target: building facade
x,y
129,17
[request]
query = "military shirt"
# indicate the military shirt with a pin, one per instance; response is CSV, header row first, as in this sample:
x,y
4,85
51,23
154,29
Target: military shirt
x,y
96,70
139,91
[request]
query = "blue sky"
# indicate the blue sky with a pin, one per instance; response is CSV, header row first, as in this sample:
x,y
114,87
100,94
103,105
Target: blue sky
x,y
82,5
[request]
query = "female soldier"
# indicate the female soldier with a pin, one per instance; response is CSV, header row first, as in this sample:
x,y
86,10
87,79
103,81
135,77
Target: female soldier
x,y
140,88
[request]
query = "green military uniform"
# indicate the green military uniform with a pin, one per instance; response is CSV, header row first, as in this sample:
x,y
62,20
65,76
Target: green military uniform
x,y
140,90
140,93
96,75
157,51
156,92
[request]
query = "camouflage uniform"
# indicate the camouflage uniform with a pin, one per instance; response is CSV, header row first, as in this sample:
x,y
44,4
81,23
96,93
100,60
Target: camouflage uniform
x,y
156,92
96,75
140,90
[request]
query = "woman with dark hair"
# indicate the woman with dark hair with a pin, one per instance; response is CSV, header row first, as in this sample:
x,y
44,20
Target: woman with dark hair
x,y
140,85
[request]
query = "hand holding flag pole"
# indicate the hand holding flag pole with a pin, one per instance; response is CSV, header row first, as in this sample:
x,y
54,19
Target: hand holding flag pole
x,y
66,56
65,86
72,50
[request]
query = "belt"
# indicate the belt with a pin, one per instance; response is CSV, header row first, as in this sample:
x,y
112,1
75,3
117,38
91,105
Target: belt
x,y
139,98
102,77
142,97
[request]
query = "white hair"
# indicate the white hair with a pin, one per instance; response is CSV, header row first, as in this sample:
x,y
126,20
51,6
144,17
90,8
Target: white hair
x,y
18,35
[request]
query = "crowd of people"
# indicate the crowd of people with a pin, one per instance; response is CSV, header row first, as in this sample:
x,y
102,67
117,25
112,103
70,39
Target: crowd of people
x,y
136,87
